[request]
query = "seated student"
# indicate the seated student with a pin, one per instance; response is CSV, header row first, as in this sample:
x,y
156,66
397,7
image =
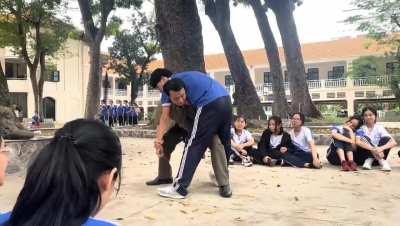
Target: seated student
x,y
241,142
71,179
3,160
36,120
303,142
343,140
274,146
373,142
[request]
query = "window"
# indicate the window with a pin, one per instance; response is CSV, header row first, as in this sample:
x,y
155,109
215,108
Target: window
x,y
387,93
15,69
53,76
359,94
229,80
392,67
267,77
341,94
370,94
330,95
336,73
313,74
315,96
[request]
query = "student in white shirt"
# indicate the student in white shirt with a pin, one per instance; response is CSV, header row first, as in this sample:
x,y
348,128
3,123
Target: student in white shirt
x,y
303,141
373,141
343,144
241,142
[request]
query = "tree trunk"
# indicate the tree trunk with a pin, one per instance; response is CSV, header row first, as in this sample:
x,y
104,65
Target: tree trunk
x,y
246,98
280,106
34,83
94,84
134,86
42,77
178,28
301,99
5,99
394,85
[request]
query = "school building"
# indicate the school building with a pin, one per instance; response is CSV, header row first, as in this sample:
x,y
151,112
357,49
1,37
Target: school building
x,y
326,64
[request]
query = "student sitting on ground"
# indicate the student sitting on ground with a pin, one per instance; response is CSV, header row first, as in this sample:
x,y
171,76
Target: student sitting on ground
x,y
373,142
303,141
343,140
274,146
241,142
71,179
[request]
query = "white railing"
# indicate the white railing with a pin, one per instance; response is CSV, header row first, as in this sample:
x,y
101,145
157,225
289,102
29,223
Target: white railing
x,y
140,94
109,91
121,92
314,84
153,93
335,83
372,81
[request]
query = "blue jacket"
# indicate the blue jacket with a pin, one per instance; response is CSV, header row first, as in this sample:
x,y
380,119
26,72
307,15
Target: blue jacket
x,y
90,222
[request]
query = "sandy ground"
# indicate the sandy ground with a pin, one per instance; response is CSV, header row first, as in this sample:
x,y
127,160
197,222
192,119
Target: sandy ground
x,y
262,195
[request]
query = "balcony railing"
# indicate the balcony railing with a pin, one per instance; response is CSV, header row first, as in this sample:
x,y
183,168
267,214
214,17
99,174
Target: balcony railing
x,y
121,92
372,81
335,83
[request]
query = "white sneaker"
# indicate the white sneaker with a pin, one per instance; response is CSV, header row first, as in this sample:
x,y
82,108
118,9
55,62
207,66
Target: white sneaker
x,y
246,162
384,165
213,178
368,163
170,192
231,160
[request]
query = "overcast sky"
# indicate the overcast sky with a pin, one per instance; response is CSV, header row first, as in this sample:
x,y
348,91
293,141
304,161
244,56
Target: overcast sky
x,y
317,20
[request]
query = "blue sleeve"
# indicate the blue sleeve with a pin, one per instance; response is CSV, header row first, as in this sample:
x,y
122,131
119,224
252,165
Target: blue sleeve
x,y
165,101
360,133
4,218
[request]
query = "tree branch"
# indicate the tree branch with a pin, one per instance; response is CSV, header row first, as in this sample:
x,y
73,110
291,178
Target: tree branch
x,y
106,7
87,18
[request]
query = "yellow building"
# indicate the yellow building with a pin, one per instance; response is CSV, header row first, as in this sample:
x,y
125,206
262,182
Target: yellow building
x,y
64,94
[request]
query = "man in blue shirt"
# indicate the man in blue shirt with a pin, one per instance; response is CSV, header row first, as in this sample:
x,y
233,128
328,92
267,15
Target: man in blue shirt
x,y
213,117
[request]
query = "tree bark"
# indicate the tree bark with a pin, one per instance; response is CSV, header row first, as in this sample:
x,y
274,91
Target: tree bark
x,y
42,60
94,84
301,99
5,99
280,106
134,87
246,98
95,36
179,28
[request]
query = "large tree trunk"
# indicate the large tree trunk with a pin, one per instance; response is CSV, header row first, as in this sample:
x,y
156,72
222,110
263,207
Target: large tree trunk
x,y
178,28
301,99
34,82
246,98
5,99
94,84
42,77
134,86
280,106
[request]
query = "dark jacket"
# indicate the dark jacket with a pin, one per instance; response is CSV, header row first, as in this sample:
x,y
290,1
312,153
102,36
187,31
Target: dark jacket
x,y
264,145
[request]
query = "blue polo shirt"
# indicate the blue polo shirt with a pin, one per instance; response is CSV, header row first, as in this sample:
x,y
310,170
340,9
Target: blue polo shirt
x,y
200,89
90,222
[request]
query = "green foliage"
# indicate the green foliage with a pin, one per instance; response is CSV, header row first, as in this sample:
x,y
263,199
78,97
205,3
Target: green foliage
x,y
54,31
134,49
368,66
380,19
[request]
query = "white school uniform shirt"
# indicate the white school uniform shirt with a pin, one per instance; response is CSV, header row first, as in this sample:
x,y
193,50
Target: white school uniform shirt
x,y
241,138
303,138
275,140
377,132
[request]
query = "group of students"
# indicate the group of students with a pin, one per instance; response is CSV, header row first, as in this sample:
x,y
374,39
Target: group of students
x,y
359,142
121,114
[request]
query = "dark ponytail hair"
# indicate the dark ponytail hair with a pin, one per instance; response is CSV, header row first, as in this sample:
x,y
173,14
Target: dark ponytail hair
x,y
61,186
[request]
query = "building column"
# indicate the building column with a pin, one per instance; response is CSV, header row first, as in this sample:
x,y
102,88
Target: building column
x,y
144,102
350,98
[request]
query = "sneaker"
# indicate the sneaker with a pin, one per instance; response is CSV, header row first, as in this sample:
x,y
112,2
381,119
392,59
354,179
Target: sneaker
x,y
231,160
368,163
225,191
170,192
246,162
213,178
384,165
345,166
352,165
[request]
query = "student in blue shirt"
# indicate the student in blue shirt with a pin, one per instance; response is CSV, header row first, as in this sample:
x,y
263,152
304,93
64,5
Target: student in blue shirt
x,y
213,117
71,179
120,113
